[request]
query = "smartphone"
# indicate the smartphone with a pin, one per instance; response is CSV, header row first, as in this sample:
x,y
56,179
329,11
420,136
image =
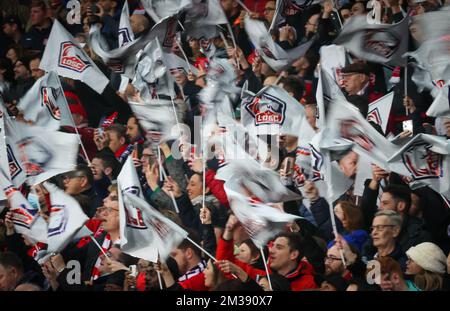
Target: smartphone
x,y
101,131
289,165
408,125
133,270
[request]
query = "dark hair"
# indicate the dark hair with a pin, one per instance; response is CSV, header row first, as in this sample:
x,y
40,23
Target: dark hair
x,y
84,201
141,130
294,85
38,3
362,285
337,281
294,242
353,215
110,161
254,251
85,171
120,130
6,64
400,193
188,244
19,51
11,260
390,265
279,282
235,285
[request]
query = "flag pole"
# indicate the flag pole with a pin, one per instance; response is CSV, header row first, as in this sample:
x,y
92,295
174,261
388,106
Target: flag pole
x,y
159,279
99,247
243,5
171,193
406,86
184,54
74,126
265,266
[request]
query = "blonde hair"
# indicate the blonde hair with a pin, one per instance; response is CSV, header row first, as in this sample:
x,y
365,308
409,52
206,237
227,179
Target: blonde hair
x,y
428,281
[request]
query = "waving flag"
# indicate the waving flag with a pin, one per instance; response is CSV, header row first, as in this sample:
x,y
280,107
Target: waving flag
x,y
347,124
379,110
263,183
50,110
167,234
66,219
160,9
272,53
261,221
123,59
44,153
206,12
441,104
126,34
332,59
378,43
424,161
277,17
65,56
272,111
136,238
25,217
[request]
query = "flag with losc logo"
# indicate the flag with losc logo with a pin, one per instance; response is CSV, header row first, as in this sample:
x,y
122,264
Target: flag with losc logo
x,y
126,34
379,110
65,56
136,237
51,111
379,43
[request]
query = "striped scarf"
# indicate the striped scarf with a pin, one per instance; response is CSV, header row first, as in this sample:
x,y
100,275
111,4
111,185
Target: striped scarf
x,y
194,271
106,245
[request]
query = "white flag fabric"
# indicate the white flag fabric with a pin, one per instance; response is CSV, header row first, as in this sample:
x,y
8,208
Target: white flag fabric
x,y
50,110
327,90
207,12
346,122
160,9
126,34
332,59
263,183
272,53
10,155
324,155
425,161
378,43
277,17
156,117
65,56
272,111
379,110
262,222
441,104
167,234
25,217
136,238
123,59
152,75
66,219
44,153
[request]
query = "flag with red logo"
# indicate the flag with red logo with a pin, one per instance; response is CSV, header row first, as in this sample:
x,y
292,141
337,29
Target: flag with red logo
x,y
424,161
109,120
66,57
136,238
126,34
66,219
379,110
25,217
378,43
50,110
42,153
272,111
272,53
261,221
123,59
167,234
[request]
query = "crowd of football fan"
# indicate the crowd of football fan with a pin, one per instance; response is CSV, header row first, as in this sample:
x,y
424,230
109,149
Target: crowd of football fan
x,y
406,231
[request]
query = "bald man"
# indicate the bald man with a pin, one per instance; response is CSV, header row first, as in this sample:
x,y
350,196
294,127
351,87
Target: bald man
x,y
27,287
139,24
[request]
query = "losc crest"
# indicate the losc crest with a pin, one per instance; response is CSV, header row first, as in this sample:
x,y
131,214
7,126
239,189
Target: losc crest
x,y
381,42
71,57
48,100
421,162
267,109
351,129
58,220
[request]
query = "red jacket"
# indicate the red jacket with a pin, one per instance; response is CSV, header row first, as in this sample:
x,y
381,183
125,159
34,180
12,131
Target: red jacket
x,y
225,251
195,283
216,187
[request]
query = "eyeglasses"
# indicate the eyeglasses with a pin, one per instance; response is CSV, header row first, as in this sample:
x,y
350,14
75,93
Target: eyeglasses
x,y
332,258
110,209
380,227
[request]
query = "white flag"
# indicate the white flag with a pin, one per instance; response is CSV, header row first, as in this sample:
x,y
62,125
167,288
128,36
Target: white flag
x,y
380,109
424,161
272,111
346,122
66,219
262,222
160,9
136,238
441,104
263,183
272,53
126,34
50,110
167,234
44,153
277,17
123,59
65,56
332,59
207,12
26,218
